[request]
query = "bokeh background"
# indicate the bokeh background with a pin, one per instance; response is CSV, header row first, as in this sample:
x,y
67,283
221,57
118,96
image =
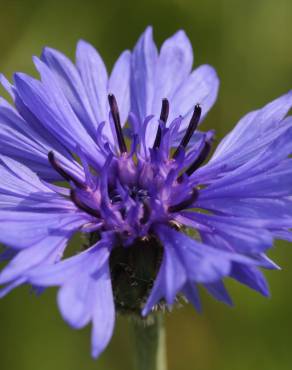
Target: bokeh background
x,y
249,43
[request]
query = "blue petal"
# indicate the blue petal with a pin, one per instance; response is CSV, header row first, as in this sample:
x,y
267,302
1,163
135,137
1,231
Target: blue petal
x,y
170,280
240,234
252,277
18,179
192,294
65,270
270,184
219,292
95,78
255,208
253,126
9,287
49,105
21,190
202,264
119,84
46,251
152,79
33,227
175,59
187,261
75,298
69,80
23,201
201,87
103,312
7,86
144,59
86,293
266,157
21,141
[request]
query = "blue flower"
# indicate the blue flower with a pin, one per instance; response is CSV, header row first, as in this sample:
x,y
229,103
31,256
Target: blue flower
x,y
135,191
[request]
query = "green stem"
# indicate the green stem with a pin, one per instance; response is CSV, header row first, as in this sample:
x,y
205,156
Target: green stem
x,y
150,344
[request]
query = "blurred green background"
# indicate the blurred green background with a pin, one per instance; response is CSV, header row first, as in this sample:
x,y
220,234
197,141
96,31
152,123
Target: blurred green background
x,y
249,43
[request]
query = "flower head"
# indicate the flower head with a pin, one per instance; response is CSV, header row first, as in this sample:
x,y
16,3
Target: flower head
x,y
136,190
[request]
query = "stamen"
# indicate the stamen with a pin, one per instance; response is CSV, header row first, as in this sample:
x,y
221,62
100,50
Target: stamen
x,y
197,162
185,203
190,130
82,206
163,117
116,118
201,158
67,176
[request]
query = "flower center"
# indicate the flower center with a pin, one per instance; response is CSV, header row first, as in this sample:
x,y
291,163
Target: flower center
x,y
145,184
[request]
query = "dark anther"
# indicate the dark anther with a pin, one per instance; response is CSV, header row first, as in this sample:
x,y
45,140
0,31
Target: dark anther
x,y
116,118
201,158
57,166
185,203
163,117
146,212
197,162
82,206
190,130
